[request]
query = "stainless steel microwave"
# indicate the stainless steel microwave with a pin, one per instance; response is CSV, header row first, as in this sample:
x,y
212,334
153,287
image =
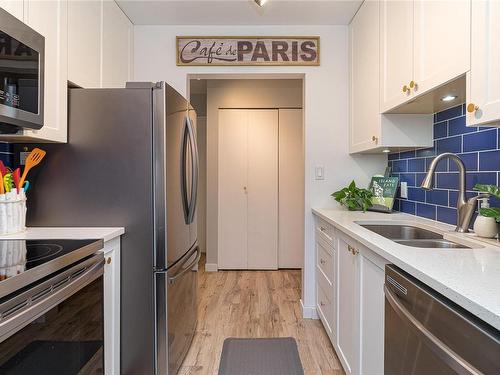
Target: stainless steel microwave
x,y
22,55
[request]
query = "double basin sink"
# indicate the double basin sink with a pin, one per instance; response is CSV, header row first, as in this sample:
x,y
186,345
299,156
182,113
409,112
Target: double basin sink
x,y
413,236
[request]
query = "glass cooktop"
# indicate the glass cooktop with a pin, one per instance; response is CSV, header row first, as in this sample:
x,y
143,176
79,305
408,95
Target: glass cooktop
x,y
25,261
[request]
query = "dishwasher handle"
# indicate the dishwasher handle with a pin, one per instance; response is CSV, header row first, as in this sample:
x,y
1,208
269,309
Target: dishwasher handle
x,y
445,353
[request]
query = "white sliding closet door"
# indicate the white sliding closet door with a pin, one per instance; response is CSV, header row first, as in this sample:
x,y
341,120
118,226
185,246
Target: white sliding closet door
x,y
232,226
263,189
291,192
248,189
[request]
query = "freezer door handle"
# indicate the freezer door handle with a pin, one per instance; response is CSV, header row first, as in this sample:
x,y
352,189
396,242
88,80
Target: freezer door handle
x,y
184,269
445,353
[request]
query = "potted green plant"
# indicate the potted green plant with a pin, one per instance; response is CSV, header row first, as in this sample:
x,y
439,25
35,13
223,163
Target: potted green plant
x,y
493,212
354,198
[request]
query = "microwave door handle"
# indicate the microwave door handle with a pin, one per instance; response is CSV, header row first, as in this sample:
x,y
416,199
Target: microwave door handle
x,y
194,171
445,353
184,193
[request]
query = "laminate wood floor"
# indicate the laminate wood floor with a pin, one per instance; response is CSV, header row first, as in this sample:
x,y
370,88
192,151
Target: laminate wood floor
x,y
255,304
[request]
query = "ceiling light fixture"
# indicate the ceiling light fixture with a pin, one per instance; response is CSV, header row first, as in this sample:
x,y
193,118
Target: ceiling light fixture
x,y
260,3
449,98
386,150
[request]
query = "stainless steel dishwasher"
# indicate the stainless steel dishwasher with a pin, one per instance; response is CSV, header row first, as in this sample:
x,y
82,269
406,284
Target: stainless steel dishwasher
x,y
425,333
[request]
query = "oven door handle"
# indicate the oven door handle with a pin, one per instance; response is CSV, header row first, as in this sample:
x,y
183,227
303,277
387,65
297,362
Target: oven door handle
x,y
33,310
444,352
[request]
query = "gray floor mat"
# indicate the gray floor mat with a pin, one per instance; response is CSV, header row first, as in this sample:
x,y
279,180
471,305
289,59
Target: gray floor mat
x,y
264,356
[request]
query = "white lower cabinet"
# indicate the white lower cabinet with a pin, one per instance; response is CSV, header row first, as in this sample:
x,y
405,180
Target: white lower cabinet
x,y
112,306
352,310
371,313
347,307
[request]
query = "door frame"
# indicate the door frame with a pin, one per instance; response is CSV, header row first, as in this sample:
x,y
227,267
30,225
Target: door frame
x,y
212,204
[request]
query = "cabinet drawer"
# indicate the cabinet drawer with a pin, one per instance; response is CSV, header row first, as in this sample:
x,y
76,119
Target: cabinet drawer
x,y
325,308
325,259
325,230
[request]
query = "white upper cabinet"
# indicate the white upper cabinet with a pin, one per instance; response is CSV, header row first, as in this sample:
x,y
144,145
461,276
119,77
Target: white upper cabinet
x,y
84,43
50,18
364,76
483,80
425,44
100,43
14,7
441,42
369,131
396,52
117,46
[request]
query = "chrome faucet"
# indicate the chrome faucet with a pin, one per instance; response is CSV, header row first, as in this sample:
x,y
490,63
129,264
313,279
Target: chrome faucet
x,y
465,207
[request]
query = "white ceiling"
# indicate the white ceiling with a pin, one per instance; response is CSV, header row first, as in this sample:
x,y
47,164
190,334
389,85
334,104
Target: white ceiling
x,y
240,12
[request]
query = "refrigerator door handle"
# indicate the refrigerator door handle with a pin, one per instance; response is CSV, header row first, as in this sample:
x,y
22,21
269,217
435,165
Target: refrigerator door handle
x,y
194,171
172,279
184,192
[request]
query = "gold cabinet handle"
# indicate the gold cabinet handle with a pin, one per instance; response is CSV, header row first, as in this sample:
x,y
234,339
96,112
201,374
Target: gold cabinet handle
x,y
406,89
413,85
322,261
322,229
374,139
352,250
108,260
471,107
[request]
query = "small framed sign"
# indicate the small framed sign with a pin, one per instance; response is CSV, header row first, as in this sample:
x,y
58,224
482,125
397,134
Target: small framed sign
x,y
384,191
238,50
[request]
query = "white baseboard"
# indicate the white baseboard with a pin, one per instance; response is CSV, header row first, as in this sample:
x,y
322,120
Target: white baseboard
x,y
309,312
211,267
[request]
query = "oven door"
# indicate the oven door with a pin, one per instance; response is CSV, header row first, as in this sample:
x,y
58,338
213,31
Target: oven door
x,y
22,54
56,326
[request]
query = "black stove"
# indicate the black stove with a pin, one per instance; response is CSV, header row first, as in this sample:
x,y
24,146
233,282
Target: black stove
x,y
23,262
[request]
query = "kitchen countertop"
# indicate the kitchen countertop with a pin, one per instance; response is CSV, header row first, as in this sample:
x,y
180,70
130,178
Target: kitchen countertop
x,y
63,233
468,277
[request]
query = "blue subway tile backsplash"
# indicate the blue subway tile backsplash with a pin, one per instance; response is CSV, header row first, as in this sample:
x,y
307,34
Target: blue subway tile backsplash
x,y
479,148
481,140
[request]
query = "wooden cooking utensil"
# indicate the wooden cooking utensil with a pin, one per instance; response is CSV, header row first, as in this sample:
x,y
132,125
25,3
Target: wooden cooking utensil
x,y
33,159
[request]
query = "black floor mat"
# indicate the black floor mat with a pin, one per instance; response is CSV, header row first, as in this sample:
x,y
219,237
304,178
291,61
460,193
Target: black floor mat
x,y
269,356
51,358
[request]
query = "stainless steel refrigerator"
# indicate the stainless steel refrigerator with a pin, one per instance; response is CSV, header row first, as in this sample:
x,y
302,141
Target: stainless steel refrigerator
x,y
132,161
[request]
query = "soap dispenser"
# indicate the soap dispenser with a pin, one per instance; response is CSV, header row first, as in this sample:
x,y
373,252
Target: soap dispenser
x,y
484,226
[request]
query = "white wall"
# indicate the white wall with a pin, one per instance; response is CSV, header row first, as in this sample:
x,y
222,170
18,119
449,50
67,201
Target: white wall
x,y
326,109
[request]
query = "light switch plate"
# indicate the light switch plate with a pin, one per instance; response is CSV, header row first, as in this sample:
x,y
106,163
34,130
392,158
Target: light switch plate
x,y
319,172
404,189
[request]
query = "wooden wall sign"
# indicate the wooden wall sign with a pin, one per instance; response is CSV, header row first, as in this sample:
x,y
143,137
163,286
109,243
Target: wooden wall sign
x,y
229,50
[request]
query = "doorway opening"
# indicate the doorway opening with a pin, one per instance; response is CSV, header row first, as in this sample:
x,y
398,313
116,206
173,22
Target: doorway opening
x,y
250,132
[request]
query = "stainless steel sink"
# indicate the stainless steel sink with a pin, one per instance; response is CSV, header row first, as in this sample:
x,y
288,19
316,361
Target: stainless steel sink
x,y
432,244
409,235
